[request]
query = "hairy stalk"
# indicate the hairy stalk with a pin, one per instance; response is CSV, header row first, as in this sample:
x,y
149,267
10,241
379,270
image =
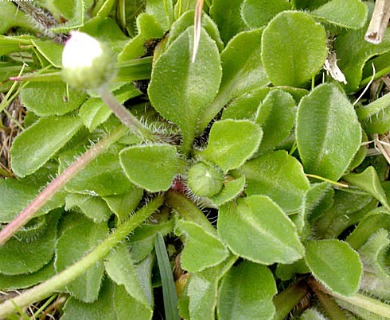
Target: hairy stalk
x,y
371,305
41,19
361,301
331,307
124,115
188,210
60,280
286,300
58,183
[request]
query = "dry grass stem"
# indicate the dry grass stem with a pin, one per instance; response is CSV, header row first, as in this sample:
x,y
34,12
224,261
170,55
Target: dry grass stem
x,y
197,27
382,144
380,19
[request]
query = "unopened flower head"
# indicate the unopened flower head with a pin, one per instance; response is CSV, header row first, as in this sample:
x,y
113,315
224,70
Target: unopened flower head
x,y
205,179
86,63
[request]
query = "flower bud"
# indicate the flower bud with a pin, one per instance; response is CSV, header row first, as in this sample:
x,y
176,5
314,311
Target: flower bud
x,y
86,63
205,180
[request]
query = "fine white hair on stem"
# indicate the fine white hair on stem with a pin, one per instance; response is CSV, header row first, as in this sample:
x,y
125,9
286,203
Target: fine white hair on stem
x,y
197,27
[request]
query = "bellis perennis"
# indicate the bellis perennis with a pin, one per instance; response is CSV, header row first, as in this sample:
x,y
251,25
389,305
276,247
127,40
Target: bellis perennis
x,y
86,63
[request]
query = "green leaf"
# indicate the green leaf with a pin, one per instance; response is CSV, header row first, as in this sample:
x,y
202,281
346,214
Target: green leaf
x,y
39,142
94,111
125,305
335,264
180,90
101,309
369,226
242,70
187,20
267,235
94,208
230,191
318,199
183,6
246,293
225,14
276,116
76,12
119,267
106,30
326,117
79,237
10,44
374,255
168,285
22,281
293,48
162,11
203,290
161,162
15,195
228,147
257,13
375,117
30,255
368,181
343,13
288,271
142,240
201,249
246,105
278,176
353,207
148,28
51,99
103,8
352,62
123,205
103,176
11,16
52,51
144,271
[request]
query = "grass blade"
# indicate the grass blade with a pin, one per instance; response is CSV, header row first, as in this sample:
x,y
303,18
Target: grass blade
x,y
168,285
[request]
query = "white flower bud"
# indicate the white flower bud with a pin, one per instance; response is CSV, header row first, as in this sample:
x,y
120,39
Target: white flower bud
x,y
86,63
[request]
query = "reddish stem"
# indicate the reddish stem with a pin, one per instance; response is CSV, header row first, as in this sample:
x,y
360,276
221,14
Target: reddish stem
x,y
57,184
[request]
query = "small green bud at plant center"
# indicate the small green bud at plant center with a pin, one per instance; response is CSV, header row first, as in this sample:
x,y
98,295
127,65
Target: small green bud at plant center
x,y
205,180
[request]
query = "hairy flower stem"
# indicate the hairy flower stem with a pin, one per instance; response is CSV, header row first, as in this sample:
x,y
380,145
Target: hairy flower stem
x,y
358,300
331,307
60,280
286,300
371,305
188,210
124,115
58,183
